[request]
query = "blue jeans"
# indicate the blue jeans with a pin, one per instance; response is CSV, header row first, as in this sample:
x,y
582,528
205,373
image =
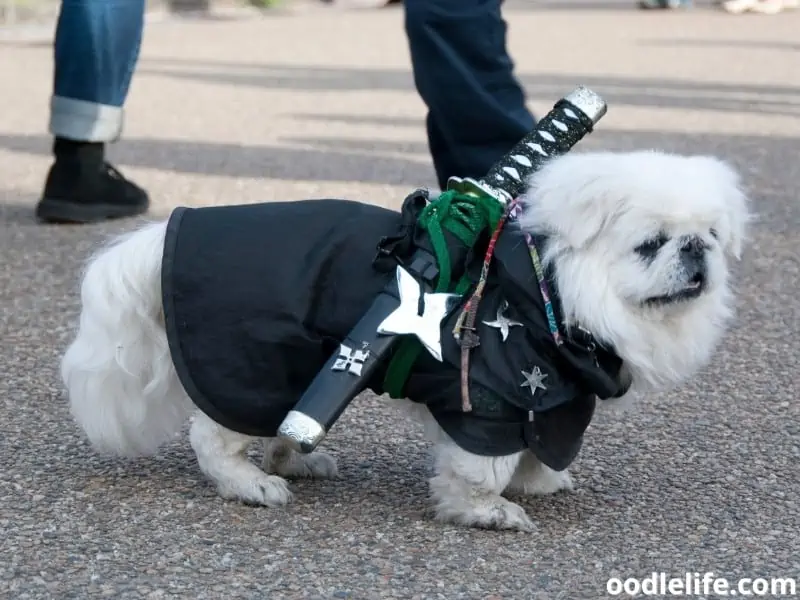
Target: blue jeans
x,y
96,48
462,71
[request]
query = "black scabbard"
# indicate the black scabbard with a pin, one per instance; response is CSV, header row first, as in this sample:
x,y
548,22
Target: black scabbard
x,y
306,425
347,372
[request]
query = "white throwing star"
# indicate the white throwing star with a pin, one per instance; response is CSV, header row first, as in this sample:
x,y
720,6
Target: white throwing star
x,y
534,380
502,322
407,320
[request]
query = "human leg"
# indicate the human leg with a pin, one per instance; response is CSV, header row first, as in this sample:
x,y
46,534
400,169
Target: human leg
x,y
96,49
462,71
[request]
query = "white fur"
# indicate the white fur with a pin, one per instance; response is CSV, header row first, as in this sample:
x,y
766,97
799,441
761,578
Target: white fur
x,y
595,208
122,386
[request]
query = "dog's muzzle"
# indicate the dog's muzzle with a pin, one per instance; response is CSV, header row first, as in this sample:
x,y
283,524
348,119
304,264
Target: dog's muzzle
x,y
695,268
693,259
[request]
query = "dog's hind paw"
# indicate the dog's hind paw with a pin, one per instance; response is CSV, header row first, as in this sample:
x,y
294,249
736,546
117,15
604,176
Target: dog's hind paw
x,y
282,460
490,513
541,481
319,466
314,466
267,490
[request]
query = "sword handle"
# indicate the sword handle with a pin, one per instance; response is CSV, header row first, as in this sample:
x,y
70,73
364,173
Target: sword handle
x,y
570,119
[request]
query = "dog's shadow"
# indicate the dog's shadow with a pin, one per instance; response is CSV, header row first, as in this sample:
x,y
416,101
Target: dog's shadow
x,y
391,478
173,471
397,489
387,477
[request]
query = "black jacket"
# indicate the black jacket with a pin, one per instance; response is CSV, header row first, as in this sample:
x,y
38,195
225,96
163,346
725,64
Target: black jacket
x,y
257,297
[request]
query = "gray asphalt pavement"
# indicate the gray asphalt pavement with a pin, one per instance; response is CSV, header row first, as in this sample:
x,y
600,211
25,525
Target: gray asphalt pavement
x,y
322,103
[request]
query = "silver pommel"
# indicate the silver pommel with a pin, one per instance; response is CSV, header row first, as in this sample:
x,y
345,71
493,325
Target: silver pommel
x,y
589,103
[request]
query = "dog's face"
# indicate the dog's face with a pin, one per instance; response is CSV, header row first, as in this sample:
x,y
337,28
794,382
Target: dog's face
x,y
640,243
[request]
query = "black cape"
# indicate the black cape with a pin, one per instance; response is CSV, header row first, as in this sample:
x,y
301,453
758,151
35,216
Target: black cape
x,y
257,297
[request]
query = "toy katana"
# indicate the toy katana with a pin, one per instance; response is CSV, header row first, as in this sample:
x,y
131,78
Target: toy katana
x,y
408,314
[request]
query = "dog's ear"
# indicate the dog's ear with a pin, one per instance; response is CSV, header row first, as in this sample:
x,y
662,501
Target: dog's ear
x,y
737,219
569,198
735,215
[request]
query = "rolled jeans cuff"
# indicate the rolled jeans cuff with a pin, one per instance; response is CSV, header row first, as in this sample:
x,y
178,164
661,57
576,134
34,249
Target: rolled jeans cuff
x,y
85,121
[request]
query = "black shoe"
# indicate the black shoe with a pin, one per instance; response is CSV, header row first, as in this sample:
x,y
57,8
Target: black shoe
x,y
82,188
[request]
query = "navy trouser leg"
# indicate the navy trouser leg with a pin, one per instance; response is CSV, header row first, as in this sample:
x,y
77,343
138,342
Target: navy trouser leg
x,y
462,71
97,46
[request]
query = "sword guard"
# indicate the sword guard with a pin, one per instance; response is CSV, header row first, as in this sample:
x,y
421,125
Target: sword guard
x,y
479,189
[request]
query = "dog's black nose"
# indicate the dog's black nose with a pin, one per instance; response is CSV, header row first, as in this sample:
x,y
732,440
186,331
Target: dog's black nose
x,y
693,257
693,247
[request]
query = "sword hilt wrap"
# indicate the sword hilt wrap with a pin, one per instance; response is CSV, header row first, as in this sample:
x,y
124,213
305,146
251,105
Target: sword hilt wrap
x,y
345,373
572,117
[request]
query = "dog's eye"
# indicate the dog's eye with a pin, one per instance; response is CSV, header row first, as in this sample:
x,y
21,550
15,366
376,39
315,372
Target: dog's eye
x,y
653,245
714,233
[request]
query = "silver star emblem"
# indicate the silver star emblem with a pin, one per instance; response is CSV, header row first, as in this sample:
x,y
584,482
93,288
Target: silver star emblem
x,y
502,322
534,380
406,319
350,360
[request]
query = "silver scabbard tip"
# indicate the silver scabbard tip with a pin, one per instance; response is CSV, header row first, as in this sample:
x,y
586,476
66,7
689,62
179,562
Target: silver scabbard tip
x,y
301,432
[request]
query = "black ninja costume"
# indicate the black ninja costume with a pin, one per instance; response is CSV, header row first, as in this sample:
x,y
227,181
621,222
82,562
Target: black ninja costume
x,y
257,297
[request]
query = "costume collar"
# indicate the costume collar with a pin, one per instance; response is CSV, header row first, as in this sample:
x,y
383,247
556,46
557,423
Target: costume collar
x,y
528,284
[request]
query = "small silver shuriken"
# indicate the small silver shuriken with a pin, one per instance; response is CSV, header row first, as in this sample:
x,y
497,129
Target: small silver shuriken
x,y
351,360
534,380
406,320
502,322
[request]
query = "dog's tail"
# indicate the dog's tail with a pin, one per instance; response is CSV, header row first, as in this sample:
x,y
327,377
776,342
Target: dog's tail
x,y
122,387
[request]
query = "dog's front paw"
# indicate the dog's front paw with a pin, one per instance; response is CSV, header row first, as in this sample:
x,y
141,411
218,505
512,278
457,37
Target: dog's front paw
x,y
488,512
266,490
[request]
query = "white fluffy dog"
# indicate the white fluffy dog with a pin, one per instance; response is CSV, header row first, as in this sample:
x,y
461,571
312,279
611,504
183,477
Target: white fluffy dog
x,y
638,242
